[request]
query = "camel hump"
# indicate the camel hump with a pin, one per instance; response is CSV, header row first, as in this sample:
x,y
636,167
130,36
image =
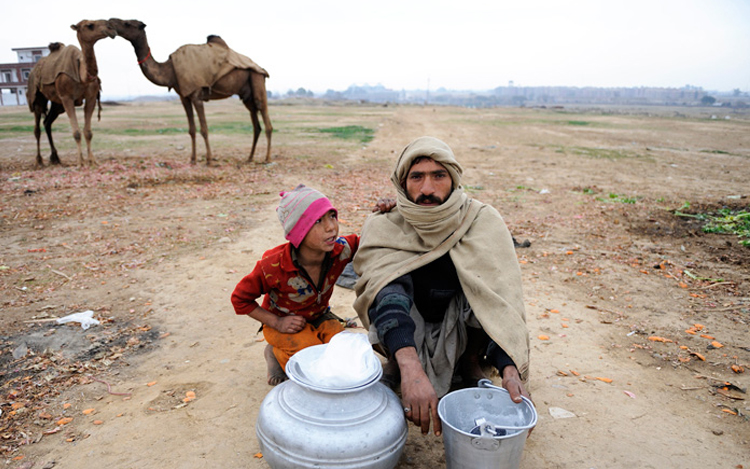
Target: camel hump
x,y
55,46
214,39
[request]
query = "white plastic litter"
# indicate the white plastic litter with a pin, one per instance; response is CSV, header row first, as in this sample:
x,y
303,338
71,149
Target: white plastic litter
x,y
347,361
86,318
560,413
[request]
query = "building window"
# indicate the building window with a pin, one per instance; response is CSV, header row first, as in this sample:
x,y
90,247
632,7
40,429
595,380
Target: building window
x,y
37,58
25,72
5,76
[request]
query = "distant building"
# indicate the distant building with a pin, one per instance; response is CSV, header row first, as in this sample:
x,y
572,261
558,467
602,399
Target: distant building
x,y
14,77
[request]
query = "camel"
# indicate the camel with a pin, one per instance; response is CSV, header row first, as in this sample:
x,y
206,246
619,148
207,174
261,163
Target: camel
x,y
68,78
237,75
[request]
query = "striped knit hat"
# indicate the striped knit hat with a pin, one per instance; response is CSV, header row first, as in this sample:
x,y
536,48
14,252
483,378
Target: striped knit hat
x,y
299,209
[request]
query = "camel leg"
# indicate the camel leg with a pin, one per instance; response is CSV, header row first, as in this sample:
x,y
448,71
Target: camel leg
x,y
70,110
54,111
269,131
256,127
261,104
88,112
191,124
198,103
38,136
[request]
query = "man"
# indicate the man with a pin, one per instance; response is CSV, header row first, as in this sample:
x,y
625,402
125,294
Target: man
x,y
440,286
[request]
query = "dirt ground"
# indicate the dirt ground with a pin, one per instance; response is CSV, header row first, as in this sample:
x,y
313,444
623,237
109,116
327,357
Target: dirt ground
x,y
636,316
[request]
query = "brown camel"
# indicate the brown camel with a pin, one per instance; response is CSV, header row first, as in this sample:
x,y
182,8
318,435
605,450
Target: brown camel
x,y
68,77
201,73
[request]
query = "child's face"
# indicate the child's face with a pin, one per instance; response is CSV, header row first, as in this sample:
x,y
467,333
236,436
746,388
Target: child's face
x,y
322,236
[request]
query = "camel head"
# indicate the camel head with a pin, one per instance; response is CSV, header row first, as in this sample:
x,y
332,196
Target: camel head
x,y
131,30
90,31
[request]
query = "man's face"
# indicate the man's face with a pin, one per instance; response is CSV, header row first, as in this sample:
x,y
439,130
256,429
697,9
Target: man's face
x,y
428,183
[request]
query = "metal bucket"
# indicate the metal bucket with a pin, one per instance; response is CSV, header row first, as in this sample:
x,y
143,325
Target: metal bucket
x,y
483,428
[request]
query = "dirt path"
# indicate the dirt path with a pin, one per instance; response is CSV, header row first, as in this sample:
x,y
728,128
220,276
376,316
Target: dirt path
x,y
614,285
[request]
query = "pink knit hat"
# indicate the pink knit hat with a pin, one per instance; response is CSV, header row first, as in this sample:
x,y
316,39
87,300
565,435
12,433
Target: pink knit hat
x,y
299,209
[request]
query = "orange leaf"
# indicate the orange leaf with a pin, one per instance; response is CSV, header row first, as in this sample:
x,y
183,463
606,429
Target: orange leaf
x,y
606,380
654,338
717,344
575,373
683,285
151,383
543,337
683,347
98,422
17,405
87,411
554,311
729,411
737,369
706,336
67,405
700,327
698,355
690,331
258,455
65,421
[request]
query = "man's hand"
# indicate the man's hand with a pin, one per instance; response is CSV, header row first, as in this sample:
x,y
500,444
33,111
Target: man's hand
x,y
513,384
417,394
384,204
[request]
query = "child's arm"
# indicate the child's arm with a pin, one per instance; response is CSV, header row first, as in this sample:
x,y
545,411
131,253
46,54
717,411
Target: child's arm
x,y
285,325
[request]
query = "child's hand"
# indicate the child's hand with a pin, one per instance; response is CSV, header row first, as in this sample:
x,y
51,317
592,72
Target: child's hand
x,y
290,324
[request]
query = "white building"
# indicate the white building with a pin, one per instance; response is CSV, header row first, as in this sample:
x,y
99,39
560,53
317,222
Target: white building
x,y
14,77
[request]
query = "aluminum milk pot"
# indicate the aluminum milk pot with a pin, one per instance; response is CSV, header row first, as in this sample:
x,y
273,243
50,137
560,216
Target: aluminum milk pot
x,y
304,425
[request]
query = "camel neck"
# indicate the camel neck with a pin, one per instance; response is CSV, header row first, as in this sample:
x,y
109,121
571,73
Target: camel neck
x,y
92,69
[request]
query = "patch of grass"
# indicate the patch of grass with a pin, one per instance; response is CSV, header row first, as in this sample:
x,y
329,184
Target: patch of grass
x,y
578,123
351,132
618,198
17,128
725,221
716,152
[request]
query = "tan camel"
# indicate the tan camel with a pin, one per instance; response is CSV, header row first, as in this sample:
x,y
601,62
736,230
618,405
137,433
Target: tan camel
x,y
68,77
201,73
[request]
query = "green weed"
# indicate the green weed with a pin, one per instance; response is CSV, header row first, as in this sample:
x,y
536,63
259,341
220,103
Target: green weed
x,y
351,132
726,221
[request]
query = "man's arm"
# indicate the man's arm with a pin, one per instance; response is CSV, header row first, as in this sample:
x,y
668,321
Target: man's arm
x,y
417,394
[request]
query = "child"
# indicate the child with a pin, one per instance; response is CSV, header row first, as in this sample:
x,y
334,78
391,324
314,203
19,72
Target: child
x,y
297,278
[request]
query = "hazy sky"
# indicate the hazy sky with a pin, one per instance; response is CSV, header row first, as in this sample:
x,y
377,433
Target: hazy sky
x,y
416,44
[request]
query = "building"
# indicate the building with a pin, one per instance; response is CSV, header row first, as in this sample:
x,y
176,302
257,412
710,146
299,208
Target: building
x,y
14,77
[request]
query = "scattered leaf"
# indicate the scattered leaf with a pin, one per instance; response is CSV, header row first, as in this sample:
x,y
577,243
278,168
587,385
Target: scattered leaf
x,y
87,411
151,383
65,421
737,369
67,405
717,344
606,380
729,411
706,336
629,394
698,355
98,422
258,455
543,337
575,373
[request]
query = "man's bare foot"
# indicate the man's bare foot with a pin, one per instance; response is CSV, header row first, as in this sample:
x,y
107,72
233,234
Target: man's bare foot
x,y
276,374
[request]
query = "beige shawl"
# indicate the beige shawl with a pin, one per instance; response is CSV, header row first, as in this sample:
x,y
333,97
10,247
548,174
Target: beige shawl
x,y
480,246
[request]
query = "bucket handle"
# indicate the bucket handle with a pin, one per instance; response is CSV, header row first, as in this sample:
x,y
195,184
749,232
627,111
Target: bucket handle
x,y
486,383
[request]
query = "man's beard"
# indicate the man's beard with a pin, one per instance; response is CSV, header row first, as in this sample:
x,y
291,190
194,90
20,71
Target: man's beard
x,y
428,199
